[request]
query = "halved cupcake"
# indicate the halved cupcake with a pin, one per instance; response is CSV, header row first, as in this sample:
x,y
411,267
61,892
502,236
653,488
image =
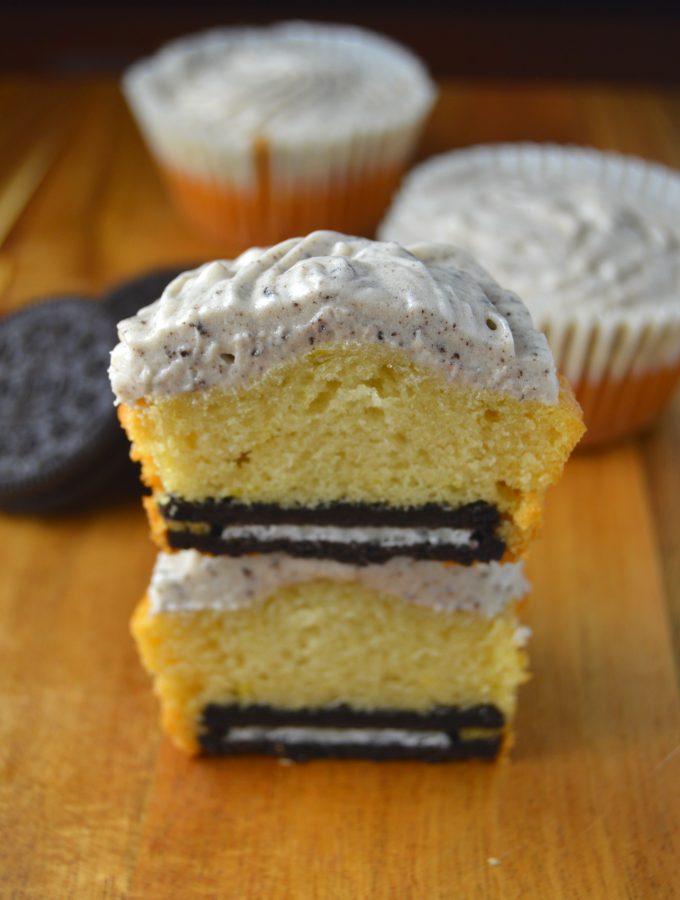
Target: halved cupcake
x,y
347,443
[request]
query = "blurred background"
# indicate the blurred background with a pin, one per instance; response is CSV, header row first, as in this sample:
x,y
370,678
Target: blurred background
x,y
599,39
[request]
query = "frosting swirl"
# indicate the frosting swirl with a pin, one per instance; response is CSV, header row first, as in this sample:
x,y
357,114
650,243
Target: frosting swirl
x,y
284,82
230,321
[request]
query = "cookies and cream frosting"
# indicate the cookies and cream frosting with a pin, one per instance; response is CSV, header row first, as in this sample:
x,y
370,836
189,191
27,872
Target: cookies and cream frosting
x,y
231,321
562,242
188,581
287,79
296,86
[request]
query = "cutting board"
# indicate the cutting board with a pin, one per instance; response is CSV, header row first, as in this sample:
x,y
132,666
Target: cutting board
x,y
94,802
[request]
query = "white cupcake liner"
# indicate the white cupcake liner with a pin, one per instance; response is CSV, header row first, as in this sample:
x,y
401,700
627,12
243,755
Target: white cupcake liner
x,y
329,151
590,346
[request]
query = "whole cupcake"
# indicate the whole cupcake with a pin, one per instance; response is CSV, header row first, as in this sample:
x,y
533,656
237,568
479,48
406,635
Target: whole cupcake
x,y
590,241
263,133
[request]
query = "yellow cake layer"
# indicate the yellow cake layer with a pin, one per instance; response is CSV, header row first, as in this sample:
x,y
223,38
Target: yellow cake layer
x,y
357,423
323,643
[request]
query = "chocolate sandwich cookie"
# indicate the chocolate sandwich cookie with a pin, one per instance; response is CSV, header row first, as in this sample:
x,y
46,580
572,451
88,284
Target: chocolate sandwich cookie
x,y
60,443
128,297
356,533
340,732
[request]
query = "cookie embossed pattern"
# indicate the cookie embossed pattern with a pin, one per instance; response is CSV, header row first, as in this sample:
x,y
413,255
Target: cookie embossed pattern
x,y
61,446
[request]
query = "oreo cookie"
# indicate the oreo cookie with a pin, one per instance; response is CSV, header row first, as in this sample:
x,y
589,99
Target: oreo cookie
x,y
60,442
341,732
128,297
61,446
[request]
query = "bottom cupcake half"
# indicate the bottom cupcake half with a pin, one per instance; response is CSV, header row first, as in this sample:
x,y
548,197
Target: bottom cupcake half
x,y
327,668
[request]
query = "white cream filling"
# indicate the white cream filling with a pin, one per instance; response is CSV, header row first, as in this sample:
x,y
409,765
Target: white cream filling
x,y
385,536
229,322
378,737
189,581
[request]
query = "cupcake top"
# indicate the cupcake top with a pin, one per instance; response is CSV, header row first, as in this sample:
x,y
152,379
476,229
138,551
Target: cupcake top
x,y
230,321
574,233
284,83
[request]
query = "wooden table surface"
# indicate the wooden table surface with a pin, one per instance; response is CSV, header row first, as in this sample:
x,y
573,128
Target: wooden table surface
x,y
94,802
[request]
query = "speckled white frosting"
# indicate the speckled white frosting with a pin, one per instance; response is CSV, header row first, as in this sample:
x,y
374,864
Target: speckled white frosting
x,y
231,321
589,240
189,581
319,95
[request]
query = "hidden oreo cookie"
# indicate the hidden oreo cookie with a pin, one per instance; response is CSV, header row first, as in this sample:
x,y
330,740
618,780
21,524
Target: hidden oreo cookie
x,y
60,443
128,297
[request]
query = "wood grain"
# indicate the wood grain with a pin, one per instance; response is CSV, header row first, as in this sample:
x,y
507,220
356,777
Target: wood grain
x,y
95,803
